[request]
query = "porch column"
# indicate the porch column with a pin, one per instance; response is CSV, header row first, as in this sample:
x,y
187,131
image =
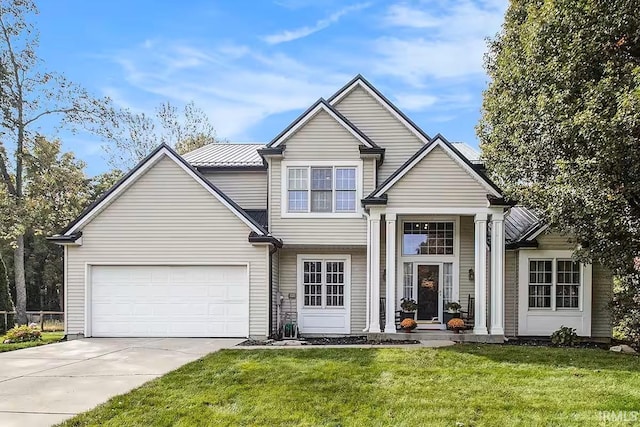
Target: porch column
x,y
497,273
480,321
374,312
368,278
390,315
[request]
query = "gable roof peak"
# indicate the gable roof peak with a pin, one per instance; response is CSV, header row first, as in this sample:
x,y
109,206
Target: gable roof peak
x,y
321,104
360,80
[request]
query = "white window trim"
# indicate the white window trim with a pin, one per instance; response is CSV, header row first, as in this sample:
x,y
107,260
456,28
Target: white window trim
x,y
325,310
543,321
429,259
284,191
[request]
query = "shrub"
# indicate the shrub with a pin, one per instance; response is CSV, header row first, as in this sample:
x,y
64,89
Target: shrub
x,y
6,304
22,333
564,337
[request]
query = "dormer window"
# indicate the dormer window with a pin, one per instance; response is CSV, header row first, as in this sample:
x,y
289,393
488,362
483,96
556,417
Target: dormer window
x,y
322,189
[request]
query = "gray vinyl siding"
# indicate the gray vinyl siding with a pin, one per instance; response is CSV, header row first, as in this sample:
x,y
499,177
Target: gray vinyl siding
x,y
289,281
441,183
467,259
554,241
320,139
275,288
166,217
602,292
247,188
382,127
511,293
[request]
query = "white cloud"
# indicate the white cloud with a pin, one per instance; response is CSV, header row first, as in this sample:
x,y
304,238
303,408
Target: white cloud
x,y
236,86
298,33
437,40
402,15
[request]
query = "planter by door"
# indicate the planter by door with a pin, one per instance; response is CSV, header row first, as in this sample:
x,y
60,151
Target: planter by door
x,y
448,316
407,315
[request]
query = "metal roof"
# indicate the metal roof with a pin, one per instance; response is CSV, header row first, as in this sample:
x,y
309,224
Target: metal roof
x,y
217,155
468,151
519,222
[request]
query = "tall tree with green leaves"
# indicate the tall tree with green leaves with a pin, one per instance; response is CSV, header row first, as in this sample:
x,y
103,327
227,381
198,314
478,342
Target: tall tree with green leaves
x,y
29,94
560,126
134,135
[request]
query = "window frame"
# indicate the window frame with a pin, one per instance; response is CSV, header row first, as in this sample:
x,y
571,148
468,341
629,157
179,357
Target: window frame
x,y
324,260
334,165
430,221
554,284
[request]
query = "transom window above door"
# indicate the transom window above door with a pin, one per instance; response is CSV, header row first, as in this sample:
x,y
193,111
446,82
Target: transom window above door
x,y
322,189
427,238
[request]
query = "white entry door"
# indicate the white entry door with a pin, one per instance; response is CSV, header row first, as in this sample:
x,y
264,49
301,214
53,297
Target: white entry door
x,y
168,301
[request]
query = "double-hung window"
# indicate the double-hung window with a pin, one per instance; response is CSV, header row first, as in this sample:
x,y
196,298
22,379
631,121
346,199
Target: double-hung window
x,y
554,284
322,189
323,283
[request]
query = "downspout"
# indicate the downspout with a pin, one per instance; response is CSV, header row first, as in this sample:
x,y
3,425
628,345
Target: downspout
x,y
272,251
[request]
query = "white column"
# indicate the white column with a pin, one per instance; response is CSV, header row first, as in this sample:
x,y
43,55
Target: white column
x,y
497,273
368,279
480,327
374,320
390,315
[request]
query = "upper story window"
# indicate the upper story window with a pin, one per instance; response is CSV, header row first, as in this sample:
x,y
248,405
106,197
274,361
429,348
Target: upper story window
x,y
427,238
322,189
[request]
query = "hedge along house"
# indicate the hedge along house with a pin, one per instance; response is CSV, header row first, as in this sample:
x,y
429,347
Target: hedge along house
x,y
347,211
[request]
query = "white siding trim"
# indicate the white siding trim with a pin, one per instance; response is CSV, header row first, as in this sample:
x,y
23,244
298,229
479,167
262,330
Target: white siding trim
x,y
320,107
382,102
87,282
438,143
541,322
141,171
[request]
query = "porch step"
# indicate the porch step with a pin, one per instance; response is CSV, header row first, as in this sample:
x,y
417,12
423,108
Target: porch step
x,y
437,336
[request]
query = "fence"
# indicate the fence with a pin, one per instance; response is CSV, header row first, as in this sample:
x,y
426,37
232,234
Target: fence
x,y
47,320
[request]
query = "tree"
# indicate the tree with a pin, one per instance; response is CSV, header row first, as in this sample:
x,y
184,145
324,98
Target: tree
x,y
560,126
6,303
30,94
135,135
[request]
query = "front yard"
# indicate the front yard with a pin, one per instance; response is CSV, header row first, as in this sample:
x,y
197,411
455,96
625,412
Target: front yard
x,y
47,338
465,384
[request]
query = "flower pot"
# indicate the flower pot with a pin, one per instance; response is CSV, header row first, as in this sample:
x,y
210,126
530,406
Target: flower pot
x,y
408,330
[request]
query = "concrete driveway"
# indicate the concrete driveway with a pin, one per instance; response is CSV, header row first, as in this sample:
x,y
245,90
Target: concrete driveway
x,y
41,386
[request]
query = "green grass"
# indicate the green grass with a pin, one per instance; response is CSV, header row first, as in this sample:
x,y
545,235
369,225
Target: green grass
x,y
474,385
47,338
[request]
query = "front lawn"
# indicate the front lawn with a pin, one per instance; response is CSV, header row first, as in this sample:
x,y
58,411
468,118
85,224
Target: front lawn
x,y
47,338
471,385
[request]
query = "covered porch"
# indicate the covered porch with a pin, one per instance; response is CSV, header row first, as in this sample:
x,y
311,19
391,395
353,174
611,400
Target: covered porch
x,y
434,257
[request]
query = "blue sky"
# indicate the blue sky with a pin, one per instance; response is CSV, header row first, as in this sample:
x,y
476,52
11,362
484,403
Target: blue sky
x,y
253,66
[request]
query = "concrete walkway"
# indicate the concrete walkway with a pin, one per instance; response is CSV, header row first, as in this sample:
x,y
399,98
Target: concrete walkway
x,y
41,386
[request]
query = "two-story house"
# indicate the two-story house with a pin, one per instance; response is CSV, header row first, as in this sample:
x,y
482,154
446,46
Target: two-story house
x,y
347,211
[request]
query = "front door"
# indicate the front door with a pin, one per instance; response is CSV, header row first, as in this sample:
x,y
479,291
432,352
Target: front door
x,y
428,285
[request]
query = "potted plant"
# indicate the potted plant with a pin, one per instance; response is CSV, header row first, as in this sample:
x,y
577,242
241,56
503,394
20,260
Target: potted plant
x,y
456,324
408,307
452,310
408,325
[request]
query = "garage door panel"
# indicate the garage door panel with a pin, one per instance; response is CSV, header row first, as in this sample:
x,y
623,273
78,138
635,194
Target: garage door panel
x,y
187,301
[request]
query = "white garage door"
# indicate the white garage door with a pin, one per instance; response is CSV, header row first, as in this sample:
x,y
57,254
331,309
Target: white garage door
x,y
169,301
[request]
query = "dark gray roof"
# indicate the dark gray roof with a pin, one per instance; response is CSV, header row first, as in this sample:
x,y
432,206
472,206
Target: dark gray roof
x,y
259,215
218,155
519,223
